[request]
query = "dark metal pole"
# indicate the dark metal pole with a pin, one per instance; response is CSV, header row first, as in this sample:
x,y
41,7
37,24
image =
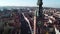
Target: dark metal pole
x,y
39,18
40,3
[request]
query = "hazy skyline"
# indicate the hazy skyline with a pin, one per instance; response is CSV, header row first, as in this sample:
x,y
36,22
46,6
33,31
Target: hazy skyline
x,y
46,3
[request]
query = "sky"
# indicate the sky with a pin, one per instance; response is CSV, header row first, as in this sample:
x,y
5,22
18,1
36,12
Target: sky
x,y
46,3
